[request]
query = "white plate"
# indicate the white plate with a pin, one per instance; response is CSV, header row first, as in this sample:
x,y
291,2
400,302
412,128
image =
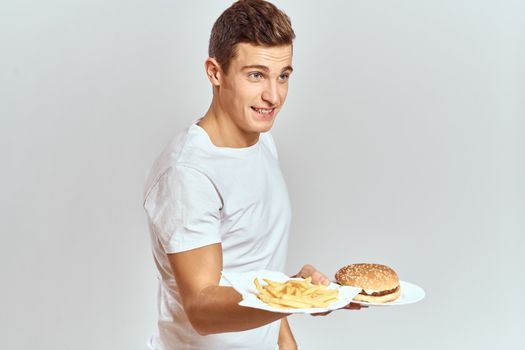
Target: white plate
x,y
243,283
410,293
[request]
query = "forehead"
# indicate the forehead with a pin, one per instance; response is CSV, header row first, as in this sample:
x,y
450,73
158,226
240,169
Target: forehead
x,y
276,57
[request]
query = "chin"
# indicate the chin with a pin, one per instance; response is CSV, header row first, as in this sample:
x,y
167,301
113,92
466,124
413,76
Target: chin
x,y
263,126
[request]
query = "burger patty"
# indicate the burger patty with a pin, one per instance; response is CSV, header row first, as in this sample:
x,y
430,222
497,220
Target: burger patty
x,y
379,294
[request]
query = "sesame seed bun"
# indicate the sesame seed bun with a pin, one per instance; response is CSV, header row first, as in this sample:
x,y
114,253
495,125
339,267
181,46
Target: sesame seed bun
x,y
378,283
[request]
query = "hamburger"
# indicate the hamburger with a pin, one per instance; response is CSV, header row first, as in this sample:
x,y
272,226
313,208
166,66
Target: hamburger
x,y
378,283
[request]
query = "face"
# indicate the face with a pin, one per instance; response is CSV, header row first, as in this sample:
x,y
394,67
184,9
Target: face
x,y
254,90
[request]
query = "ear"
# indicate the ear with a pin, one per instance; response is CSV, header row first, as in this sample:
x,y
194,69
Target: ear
x,y
213,71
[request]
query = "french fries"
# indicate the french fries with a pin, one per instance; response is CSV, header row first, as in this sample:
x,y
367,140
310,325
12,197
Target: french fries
x,y
297,294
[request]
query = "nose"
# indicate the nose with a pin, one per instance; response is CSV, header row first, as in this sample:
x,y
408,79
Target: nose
x,y
271,93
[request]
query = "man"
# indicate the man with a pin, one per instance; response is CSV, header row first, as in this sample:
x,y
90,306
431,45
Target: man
x,y
215,198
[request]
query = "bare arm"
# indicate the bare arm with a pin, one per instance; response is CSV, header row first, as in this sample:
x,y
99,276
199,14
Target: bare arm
x,y
286,338
212,308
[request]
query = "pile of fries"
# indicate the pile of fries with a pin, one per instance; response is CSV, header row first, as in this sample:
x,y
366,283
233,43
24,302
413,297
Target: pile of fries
x,y
297,294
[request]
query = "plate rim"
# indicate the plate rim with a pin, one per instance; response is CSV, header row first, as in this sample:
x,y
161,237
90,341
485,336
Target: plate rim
x,y
396,302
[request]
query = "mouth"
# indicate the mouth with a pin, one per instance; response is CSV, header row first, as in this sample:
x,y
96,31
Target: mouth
x,y
264,113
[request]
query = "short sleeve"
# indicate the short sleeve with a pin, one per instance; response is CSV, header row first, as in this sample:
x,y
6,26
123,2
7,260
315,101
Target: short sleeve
x,y
183,207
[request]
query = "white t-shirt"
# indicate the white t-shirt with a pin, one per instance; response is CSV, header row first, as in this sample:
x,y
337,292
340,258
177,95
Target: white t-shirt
x,y
199,194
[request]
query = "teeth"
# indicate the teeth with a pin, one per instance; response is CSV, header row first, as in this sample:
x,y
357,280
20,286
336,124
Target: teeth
x,y
263,111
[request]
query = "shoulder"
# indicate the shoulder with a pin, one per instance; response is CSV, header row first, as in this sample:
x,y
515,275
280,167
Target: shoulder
x,y
181,184
185,149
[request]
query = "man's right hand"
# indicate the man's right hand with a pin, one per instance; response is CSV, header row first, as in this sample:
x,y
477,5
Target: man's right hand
x,y
320,278
317,276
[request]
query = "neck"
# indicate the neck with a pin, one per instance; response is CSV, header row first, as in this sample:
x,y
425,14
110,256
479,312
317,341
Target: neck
x,y
223,131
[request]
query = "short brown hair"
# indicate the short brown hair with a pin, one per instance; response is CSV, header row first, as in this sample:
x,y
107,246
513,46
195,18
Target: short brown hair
x,y
256,22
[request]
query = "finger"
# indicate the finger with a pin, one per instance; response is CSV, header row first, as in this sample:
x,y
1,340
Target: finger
x,y
306,271
320,278
355,306
321,313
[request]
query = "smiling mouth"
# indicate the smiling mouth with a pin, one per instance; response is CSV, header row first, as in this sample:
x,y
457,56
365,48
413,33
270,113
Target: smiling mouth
x,y
265,111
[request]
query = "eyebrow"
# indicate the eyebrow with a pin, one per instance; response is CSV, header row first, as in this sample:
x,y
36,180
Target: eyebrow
x,y
264,68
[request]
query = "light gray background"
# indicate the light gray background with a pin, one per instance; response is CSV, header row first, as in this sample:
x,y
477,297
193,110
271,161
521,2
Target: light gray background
x,y
401,142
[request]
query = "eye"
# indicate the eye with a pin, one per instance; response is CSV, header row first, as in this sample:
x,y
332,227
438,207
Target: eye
x,y
255,75
284,77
